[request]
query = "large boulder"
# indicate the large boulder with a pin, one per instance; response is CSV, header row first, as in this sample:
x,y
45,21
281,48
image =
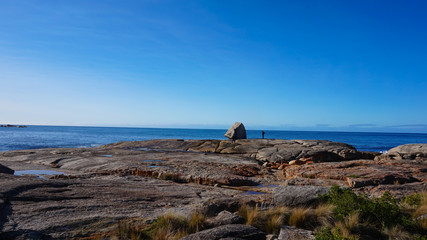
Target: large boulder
x,y
292,233
408,151
4,169
297,195
236,131
232,231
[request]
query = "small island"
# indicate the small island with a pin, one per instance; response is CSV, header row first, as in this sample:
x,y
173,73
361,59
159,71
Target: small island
x,y
12,126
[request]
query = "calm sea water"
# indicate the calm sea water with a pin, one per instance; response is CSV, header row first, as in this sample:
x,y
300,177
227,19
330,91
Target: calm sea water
x,y
56,136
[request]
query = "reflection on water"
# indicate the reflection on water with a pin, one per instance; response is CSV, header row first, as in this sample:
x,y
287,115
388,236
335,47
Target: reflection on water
x,y
152,160
253,193
38,173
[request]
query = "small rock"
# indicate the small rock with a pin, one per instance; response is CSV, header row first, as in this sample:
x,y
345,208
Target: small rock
x,y
271,237
282,166
292,233
296,162
225,218
306,159
297,195
212,208
232,231
353,183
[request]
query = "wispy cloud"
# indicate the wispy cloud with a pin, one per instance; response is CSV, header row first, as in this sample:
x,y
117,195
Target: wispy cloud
x,y
409,126
364,125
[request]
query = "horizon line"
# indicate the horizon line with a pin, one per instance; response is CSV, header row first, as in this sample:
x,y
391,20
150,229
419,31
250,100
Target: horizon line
x,y
371,129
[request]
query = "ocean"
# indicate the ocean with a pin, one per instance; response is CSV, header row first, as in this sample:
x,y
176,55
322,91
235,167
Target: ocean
x,y
34,137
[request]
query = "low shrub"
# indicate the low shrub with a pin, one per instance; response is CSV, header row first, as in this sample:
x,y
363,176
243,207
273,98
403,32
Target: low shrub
x,y
329,233
380,212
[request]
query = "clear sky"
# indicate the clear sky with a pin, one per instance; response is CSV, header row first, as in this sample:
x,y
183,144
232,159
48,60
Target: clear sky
x,y
313,65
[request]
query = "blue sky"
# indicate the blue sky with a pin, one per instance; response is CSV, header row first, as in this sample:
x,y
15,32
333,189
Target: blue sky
x,y
304,65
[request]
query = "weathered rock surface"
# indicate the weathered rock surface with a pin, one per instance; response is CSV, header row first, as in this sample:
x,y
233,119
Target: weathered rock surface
x,y
67,208
292,233
361,173
104,185
266,150
215,206
225,218
236,131
232,231
297,195
180,166
406,152
127,180
4,169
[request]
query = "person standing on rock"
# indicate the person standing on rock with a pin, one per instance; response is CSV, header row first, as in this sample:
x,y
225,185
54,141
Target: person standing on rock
x,y
263,133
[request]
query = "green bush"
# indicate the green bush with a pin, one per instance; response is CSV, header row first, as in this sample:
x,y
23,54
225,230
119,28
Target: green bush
x,y
329,233
413,200
380,212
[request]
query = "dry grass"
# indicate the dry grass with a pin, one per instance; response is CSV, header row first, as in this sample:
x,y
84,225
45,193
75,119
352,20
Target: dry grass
x,y
196,222
325,214
273,224
420,217
349,224
250,214
164,233
421,211
397,233
274,218
269,220
298,216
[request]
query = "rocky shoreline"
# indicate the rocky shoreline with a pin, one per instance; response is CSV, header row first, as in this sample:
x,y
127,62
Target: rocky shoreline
x,y
90,190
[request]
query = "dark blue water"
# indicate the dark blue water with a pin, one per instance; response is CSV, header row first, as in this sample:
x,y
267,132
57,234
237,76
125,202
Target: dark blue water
x,y
56,136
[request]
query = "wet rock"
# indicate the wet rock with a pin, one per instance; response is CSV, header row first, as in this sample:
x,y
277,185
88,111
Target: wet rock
x,y
406,152
232,231
292,233
4,169
225,218
297,195
236,131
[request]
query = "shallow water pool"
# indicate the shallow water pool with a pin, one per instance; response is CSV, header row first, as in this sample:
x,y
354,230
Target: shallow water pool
x,y
38,173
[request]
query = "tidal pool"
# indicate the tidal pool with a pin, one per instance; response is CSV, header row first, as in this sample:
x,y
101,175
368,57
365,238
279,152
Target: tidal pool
x,y
38,173
253,193
152,160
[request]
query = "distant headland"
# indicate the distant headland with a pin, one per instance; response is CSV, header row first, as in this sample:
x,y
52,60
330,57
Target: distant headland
x,y
15,126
